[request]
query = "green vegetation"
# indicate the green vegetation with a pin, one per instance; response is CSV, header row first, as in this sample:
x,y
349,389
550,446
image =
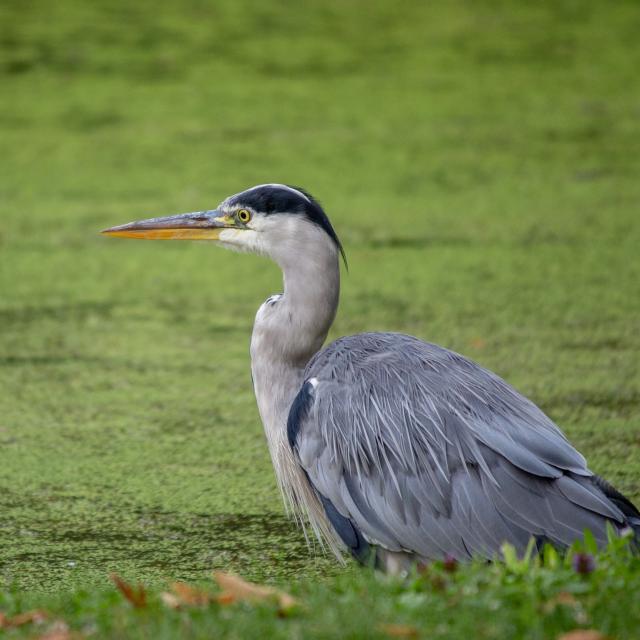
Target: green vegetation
x,y
480,162
520,600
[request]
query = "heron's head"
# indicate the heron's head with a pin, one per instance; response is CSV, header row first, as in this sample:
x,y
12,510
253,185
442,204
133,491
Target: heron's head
x,y
282,222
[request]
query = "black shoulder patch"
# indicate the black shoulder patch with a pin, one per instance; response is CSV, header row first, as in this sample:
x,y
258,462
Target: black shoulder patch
x,y
298,412
344,527
348,532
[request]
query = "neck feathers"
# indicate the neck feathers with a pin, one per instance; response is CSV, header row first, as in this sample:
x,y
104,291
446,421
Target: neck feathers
x,y
288,330
296,325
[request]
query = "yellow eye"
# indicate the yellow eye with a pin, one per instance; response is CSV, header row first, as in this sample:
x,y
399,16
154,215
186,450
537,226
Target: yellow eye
x,y
244,215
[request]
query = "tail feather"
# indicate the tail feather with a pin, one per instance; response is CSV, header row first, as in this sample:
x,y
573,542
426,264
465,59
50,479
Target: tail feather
x,y
623,503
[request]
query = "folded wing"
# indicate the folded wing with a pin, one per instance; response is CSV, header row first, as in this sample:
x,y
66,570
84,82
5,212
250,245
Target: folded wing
x,y
415,448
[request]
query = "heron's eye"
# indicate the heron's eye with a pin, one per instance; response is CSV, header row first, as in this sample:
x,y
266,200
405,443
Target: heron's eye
x,y
244,215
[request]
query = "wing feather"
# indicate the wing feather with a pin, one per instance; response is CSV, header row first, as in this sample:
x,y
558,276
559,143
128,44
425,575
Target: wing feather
x,y
426,452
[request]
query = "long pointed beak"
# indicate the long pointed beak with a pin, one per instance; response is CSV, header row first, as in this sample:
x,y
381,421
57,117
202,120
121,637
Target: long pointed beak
x,y
200,225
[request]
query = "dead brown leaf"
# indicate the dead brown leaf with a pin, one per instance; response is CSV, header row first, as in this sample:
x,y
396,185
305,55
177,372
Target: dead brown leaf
x,y
225,599
399,630
235,589
60,631
137,596
170,600
190,595
583,634
185,595
36,616
564,598
60,635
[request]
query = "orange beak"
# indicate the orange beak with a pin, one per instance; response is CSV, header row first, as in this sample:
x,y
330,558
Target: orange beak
x,y
200,225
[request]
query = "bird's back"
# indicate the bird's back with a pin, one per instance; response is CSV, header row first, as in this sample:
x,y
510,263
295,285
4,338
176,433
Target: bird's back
x,y
408,391
421,450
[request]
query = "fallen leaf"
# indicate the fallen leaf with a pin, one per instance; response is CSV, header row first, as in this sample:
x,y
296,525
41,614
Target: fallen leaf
x,y
399,630
35,616
136,596
583,634
185,595
60,635
225,598
235,589
190,595
60,631
170,600
564,598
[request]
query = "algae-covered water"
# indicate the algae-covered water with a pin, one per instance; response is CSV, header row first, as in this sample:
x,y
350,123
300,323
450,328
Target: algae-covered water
x,y
479,161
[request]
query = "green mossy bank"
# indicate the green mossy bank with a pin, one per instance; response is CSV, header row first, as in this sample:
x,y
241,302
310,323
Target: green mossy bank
x,y
520,599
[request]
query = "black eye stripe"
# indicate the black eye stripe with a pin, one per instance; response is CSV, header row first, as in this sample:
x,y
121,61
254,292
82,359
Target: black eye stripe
x,y
270,199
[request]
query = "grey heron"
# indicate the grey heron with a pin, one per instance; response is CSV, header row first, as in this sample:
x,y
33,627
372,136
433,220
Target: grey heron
x,y
391,448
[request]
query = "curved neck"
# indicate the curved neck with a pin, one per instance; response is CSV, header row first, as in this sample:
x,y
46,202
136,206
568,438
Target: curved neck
x,y
292,329
308,306
288,330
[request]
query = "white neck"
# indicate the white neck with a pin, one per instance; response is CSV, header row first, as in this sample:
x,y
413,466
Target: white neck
x,y
288,330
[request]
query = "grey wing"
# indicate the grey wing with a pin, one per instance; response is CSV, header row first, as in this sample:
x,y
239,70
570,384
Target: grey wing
x,y
418,449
